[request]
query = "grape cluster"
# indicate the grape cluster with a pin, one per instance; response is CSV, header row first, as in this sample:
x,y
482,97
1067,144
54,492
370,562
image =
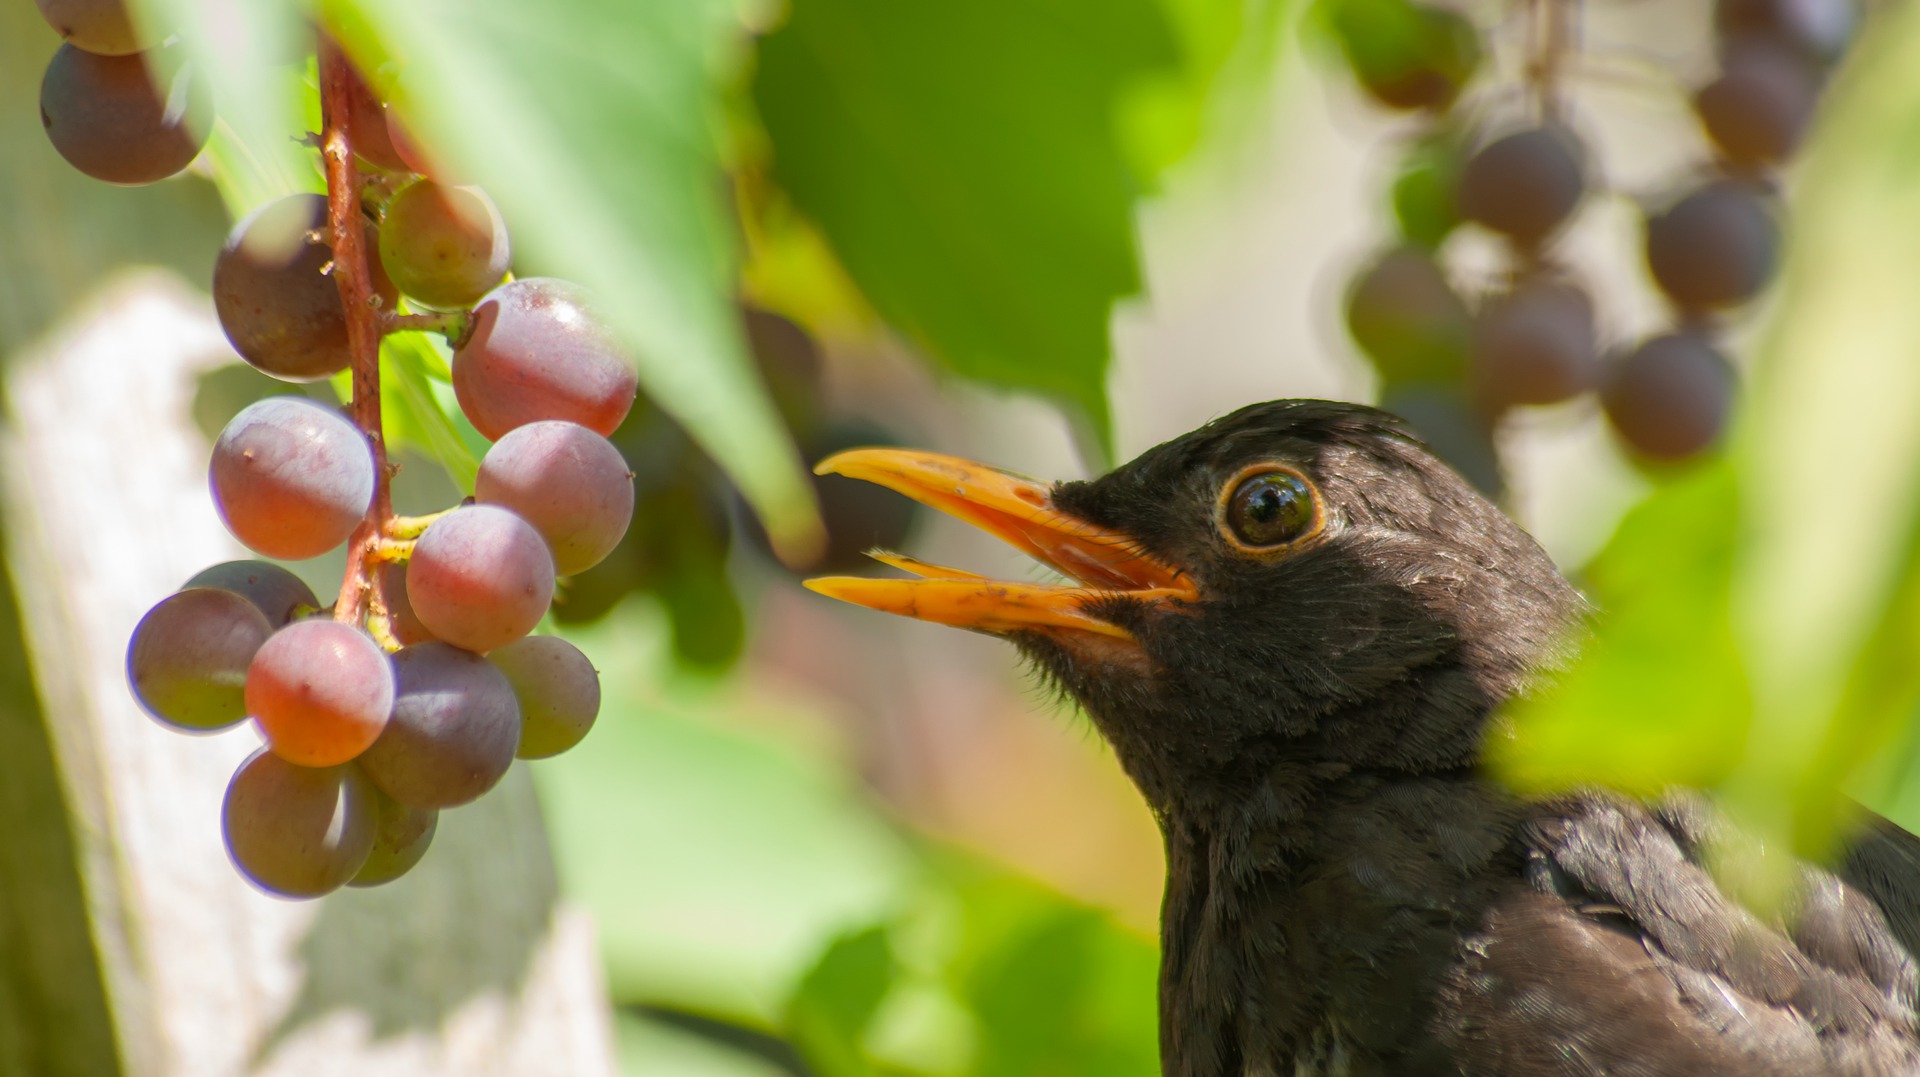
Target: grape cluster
x,y
416,689
1455,364
117,104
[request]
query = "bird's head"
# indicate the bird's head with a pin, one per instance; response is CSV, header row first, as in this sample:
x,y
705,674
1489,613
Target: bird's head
x,y
1298,583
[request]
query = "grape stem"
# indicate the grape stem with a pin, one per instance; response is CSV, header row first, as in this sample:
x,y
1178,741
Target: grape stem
x,y
352,275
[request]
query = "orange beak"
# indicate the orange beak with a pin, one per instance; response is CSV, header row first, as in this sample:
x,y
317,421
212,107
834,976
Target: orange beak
x,y
1019,511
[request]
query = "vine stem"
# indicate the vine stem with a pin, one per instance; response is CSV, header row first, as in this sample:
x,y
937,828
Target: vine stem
x,y
347,230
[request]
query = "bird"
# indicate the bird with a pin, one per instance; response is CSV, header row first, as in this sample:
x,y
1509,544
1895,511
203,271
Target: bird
x,y
1296,627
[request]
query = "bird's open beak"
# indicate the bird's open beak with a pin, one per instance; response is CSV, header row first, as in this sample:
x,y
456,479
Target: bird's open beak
x,y
1020,512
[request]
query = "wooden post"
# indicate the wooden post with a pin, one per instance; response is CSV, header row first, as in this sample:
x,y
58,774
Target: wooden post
x,y
470,965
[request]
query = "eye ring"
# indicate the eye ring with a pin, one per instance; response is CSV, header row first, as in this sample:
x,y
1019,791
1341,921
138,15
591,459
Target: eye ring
x,y
1267,508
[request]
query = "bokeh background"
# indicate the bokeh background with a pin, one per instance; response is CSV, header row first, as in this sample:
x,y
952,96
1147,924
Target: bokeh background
x,y
815,840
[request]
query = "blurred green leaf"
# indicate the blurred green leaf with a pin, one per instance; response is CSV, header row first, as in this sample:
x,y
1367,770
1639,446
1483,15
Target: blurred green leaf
x,y
828,1016
966,162
718,861
650,1048
591,123
415,418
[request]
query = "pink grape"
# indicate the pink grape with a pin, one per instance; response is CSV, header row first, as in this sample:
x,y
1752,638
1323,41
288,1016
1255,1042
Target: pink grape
x,y
558,690
291,478
570,483
187,661
321,692
537,352
455,726
297,831
480,577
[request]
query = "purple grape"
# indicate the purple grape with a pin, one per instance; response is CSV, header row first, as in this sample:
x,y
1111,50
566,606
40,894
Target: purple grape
x,y
480,577
444,246
557,688
570,483
1535,345
299,832
537,352
1671,397
274,291
454,729
129,120
1757,111
291,477
187,661
280,594
1524,185
400,838
1715,248
1407,318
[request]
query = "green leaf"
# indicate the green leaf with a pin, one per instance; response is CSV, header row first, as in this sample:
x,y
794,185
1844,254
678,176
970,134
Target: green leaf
x,y
968,165
829,1014
591,123
415,417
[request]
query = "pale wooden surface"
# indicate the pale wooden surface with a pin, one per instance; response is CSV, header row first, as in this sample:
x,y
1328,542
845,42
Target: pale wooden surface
x,y
469,966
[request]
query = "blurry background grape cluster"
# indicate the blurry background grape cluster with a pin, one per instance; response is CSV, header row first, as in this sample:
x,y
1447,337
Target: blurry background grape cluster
x,y
1570,241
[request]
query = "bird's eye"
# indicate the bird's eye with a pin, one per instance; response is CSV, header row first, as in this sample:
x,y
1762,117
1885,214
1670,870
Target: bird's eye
x,y
1269,509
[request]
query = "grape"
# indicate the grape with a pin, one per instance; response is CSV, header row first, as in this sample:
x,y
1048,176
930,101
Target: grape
x,y
558,691
1669,399
454,729
297,831
106,117
570,483
1407,56
188,658
536,352
1426,194
1443,418
320,691
1406,318
1817,28
401,620
97,26
275,293
367,125
1759,107
480,577
278,593
1524,185
400,838
1714,248
1535,345
291,478
444,246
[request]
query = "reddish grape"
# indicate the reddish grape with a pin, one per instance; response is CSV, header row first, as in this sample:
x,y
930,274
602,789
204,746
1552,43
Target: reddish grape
x,y
291,477
125,119
1714,248
444,246
400,838
320,691
274,291
536,352
296,831
454,729
401,620
480,578
558,691
279,594
1817,28
570,483
367,125
187,661
1670,398
1535,345
1757,110
1407,319
102,27
1524,185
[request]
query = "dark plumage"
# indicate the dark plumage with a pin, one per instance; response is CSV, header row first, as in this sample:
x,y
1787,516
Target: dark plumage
x,y
1346,892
